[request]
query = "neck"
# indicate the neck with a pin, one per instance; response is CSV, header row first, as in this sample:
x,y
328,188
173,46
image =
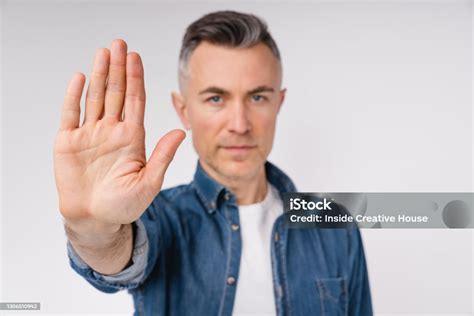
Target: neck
x,y
247,190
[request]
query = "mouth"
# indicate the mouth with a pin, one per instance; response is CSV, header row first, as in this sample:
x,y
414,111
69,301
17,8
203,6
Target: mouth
x,y
239,149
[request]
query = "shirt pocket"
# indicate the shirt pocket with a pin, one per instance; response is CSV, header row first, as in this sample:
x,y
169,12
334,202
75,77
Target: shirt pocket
x,y
333,296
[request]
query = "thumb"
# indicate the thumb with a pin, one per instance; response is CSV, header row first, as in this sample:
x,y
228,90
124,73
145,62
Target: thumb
x,y
162,156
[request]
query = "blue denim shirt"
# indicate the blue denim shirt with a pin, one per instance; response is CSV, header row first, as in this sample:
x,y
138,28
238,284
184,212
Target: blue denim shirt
x,y
187,255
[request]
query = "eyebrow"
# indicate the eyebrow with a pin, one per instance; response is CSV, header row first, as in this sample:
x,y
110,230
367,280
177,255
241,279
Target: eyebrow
x,y
217,90
214,89
261,89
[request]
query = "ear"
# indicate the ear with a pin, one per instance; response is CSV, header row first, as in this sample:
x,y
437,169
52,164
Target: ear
x,y
282,98
181,109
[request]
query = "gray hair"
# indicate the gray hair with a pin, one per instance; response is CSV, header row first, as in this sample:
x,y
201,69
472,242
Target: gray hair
x,y
226,28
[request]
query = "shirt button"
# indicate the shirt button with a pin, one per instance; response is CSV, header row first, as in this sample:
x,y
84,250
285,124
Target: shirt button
x,y
212,205
230,280
277,236
234,227
279,291
227,196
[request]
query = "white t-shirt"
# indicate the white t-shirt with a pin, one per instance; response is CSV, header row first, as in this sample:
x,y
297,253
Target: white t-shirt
x,y
254,294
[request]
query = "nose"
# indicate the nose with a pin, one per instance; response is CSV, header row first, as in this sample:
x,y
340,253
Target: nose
x,y
238,120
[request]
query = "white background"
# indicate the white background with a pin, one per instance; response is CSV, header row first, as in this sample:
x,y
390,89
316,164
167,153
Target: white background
x,y
379,99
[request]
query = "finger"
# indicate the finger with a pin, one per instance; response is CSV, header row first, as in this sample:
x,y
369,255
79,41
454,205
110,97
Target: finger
x,y
96,91
161,157
115,92
134,108
71,112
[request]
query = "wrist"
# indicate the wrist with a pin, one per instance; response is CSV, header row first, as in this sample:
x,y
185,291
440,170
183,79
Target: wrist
x,y
92,228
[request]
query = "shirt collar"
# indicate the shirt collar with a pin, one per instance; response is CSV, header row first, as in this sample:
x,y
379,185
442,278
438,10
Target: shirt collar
x,y
209,190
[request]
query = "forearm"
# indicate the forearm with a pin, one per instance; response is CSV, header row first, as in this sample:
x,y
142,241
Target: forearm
x,y
106,249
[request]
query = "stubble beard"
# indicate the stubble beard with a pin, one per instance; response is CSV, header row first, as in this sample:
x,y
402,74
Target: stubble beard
x,y
213,164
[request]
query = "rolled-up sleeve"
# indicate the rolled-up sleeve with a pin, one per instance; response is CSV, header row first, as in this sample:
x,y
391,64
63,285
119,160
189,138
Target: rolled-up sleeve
x,y
128,278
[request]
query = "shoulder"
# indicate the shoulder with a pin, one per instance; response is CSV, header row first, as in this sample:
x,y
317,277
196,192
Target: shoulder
x,y
173,193
166,200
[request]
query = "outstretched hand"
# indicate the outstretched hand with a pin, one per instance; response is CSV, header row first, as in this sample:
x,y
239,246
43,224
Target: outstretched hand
x,y
100,167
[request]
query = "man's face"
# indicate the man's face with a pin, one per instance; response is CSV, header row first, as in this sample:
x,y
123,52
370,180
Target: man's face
x,y
230,102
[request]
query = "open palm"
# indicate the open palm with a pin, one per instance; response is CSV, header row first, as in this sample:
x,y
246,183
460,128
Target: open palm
x,y
100,167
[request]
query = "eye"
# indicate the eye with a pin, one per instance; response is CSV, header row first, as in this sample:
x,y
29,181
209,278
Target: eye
x,y
258,98
215,99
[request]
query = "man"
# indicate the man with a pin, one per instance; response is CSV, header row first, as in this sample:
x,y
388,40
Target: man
x,y
216,246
